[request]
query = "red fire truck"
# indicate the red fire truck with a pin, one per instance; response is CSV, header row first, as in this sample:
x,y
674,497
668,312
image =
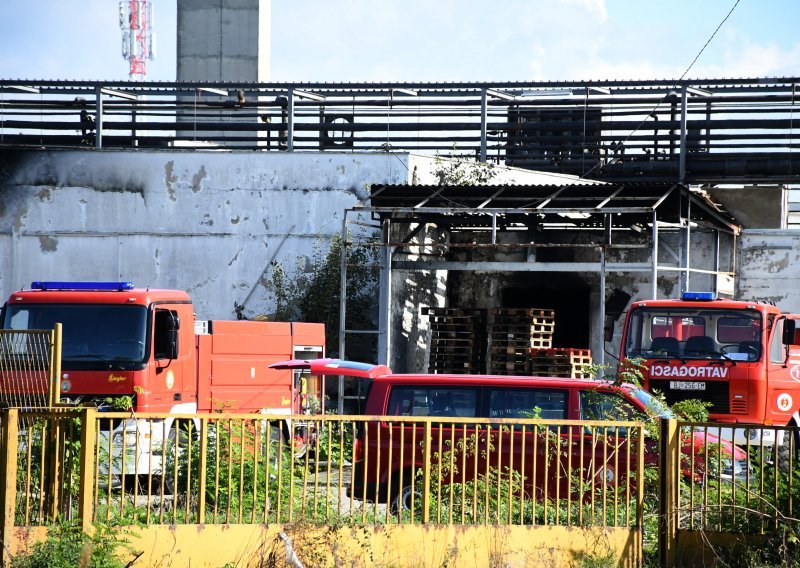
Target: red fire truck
x,y
742,357
121,341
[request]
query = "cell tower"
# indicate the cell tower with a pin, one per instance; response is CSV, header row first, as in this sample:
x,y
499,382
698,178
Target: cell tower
x,y
138,38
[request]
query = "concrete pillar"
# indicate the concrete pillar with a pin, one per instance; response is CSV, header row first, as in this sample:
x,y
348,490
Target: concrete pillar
x,y
223,40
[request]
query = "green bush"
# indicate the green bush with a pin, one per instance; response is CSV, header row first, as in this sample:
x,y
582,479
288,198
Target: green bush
x,y
67,546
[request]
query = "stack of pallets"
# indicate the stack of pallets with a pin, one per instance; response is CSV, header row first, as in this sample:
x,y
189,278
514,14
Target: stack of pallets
x,y
514,333
561,362
458,340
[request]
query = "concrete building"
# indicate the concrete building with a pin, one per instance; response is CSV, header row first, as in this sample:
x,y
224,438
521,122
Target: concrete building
x,y
212,223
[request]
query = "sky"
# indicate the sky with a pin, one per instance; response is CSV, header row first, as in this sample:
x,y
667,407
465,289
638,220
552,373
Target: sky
x,y
433,40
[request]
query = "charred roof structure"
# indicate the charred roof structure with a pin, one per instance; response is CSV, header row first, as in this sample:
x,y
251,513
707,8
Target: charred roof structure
x,y
595,230
698,131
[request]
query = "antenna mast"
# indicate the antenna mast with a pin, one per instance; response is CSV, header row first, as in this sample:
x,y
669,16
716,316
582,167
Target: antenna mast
x,y
138,38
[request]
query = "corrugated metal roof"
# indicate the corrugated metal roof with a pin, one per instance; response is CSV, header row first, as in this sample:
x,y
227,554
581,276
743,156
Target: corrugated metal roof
x,y
587,203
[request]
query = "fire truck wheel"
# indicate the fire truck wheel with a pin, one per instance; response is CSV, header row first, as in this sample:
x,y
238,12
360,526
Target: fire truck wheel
x,y
181,432
785,459
152,484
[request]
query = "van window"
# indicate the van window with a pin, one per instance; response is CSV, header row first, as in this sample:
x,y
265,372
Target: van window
x,y
433,401
596,405
528,403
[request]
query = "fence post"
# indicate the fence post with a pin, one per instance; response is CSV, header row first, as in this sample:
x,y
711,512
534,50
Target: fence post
x,y
87,471
426,474
10,427
668,472
54,390
55,464
203,468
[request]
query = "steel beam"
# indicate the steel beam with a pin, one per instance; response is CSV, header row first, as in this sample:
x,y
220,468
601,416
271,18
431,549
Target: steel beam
x,y
491,266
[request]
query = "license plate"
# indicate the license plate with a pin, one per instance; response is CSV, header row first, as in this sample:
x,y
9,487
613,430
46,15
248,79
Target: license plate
x,y
687,386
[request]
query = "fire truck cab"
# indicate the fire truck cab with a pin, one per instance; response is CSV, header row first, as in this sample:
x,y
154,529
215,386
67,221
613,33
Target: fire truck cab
x,y
742,357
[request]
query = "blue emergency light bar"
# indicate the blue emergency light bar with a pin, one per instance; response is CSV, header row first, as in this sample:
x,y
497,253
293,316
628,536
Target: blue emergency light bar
x,y
699,296
94,286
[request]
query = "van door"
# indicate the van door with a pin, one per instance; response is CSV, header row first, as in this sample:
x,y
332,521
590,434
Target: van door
x,y
606,455
398,447
530,460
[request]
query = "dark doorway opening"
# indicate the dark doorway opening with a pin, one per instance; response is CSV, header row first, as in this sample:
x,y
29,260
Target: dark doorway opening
x,y
564,292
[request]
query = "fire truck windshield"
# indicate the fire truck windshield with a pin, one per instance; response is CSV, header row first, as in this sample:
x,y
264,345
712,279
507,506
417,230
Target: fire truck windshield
x,y
694,333
94,336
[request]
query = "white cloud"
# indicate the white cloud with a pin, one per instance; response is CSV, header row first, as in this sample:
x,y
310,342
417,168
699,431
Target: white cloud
x,y
745,58
597,6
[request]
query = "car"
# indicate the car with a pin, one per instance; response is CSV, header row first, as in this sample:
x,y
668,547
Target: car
x,y
540,443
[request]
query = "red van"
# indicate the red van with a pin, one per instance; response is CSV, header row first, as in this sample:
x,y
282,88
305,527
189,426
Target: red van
x,y
552,457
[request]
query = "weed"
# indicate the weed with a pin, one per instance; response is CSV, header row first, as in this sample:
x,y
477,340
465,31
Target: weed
x,y
67,546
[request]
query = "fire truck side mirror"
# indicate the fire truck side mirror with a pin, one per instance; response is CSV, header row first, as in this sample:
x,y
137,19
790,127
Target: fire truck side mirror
x,y
789,335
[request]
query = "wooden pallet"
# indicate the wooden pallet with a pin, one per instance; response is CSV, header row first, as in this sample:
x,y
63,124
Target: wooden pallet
x,y
463,341
458,339
561,362
457,328
524,312
454,370
509,369
524,328
472,312
565,354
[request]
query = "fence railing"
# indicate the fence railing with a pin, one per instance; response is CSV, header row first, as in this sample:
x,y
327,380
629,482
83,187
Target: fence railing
x,y
30,363
212,469
82,465
720,478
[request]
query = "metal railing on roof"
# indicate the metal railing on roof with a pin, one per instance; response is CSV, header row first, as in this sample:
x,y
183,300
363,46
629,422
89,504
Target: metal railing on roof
x,y
699,130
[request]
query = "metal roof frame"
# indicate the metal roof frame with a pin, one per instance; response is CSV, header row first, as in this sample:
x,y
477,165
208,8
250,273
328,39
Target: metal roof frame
x,y
602,207
687,130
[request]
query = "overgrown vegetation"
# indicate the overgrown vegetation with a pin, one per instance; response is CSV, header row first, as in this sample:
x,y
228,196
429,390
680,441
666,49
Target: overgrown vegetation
x,y
313,293
462,172
67,546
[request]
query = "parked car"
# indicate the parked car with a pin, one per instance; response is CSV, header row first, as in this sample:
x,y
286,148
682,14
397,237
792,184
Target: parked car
x,y
555,458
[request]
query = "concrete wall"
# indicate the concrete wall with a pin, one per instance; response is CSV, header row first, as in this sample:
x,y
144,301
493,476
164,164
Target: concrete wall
x,y
767,211
223,40
769,267
205,222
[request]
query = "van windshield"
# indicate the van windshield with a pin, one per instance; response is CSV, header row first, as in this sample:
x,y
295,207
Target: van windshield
x,y
655,406
694,333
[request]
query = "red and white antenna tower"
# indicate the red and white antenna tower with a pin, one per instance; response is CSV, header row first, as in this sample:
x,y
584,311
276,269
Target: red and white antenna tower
x,y
138,38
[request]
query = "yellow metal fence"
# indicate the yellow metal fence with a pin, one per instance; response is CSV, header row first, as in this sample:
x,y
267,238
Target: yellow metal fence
x,y
752,491
226,469
723,482
30,362
354,471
